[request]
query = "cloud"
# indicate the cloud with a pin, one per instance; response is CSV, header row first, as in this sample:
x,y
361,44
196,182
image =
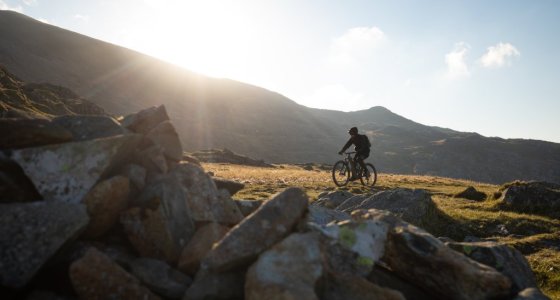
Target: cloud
x,y
355,45
499,55
81,17
456,62
5,6
335,96
30,2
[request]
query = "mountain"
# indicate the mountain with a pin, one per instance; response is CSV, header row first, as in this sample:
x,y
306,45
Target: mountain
x,y
221,113
39,101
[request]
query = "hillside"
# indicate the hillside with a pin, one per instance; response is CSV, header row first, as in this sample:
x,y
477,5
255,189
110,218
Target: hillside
x,y
39,101
221,113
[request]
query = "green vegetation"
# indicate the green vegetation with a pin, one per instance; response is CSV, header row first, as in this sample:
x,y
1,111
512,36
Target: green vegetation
x,y
537,237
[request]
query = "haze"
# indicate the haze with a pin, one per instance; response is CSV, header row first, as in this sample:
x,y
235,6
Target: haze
x,y
479,66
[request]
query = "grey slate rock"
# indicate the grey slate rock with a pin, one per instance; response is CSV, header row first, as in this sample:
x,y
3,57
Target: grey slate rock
x,y
31,233
160,278
85,127
146,119
24,133
505,259
66,172
269,224
333,199
14,185
231,186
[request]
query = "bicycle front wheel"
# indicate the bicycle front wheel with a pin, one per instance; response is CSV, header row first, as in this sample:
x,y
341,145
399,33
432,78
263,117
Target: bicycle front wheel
x,y
340,173
369,178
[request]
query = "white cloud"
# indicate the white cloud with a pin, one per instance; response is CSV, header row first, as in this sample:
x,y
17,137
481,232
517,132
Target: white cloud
x,y
5,6
355,45
81,17
30,2
456,62
335,96
499,55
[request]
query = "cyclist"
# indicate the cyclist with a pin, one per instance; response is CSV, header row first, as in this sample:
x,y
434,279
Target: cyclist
x,y
361,145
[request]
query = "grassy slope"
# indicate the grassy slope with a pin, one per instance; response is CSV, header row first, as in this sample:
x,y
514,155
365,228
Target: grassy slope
x,y
533,235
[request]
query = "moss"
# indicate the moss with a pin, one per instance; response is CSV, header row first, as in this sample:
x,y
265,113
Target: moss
x,y
468,249
365,261
347,237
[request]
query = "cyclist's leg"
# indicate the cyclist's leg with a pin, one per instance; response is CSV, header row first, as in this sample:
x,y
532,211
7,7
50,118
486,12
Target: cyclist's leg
x,y
353,169
360,157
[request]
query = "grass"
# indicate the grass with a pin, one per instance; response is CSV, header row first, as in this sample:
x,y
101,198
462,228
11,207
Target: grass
x,y
537,237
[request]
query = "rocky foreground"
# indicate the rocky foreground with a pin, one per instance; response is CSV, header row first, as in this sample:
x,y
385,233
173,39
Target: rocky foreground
x,y
94,208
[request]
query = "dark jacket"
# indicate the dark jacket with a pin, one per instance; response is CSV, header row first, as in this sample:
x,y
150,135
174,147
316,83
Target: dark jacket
x,y
361,143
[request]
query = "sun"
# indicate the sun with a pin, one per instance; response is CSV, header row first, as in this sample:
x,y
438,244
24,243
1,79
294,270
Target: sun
x,y
210,37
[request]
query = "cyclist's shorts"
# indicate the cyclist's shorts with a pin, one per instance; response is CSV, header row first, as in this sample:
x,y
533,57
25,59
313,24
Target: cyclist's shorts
x,y
361,155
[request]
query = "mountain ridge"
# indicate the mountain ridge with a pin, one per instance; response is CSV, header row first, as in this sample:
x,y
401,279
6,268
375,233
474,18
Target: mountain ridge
x,y
223,113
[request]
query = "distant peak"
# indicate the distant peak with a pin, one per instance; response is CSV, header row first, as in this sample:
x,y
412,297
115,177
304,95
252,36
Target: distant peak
x,y
379,108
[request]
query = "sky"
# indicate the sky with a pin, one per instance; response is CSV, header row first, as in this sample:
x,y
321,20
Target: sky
x,y
491,67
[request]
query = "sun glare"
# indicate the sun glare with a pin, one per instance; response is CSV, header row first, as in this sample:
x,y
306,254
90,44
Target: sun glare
x,y
209,37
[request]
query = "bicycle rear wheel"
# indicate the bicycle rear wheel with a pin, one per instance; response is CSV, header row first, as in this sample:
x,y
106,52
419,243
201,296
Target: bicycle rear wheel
x,y
340,173
369,178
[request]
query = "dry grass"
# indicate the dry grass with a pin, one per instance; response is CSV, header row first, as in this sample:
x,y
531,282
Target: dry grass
x,y
533,235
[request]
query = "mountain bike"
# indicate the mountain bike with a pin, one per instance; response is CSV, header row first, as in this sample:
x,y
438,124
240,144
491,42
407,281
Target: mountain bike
x,y
341,172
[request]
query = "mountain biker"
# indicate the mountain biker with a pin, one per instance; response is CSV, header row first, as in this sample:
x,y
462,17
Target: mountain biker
x,y
361,145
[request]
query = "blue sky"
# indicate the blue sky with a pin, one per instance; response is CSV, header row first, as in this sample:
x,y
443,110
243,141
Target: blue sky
x,y
491,67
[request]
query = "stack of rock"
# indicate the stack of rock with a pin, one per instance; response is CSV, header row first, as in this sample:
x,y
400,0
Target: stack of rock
x,y
94,208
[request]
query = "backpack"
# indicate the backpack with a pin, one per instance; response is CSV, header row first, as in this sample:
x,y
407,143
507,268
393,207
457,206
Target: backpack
x,y
367,141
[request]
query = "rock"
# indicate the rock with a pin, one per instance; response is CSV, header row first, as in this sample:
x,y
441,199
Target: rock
x,y
136,174
31,233
66,172
228,156
202,241
532,197
323,216
203,198
413,206
217,286
289,270
505,259
384,278
333,199
247,207
24,133
86,127
268,225
350,203
164,135
348,286
45,295
191,159
153,160
95,276
364,239
418,257
14,185
160,278
163,226
471,193
531,294
105,202
231,186
145,120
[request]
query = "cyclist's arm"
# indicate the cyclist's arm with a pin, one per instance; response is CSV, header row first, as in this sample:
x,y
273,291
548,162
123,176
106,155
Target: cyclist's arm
x,y
348,144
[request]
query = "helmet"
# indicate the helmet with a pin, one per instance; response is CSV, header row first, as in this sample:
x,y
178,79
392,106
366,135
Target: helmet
x,y
353,130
